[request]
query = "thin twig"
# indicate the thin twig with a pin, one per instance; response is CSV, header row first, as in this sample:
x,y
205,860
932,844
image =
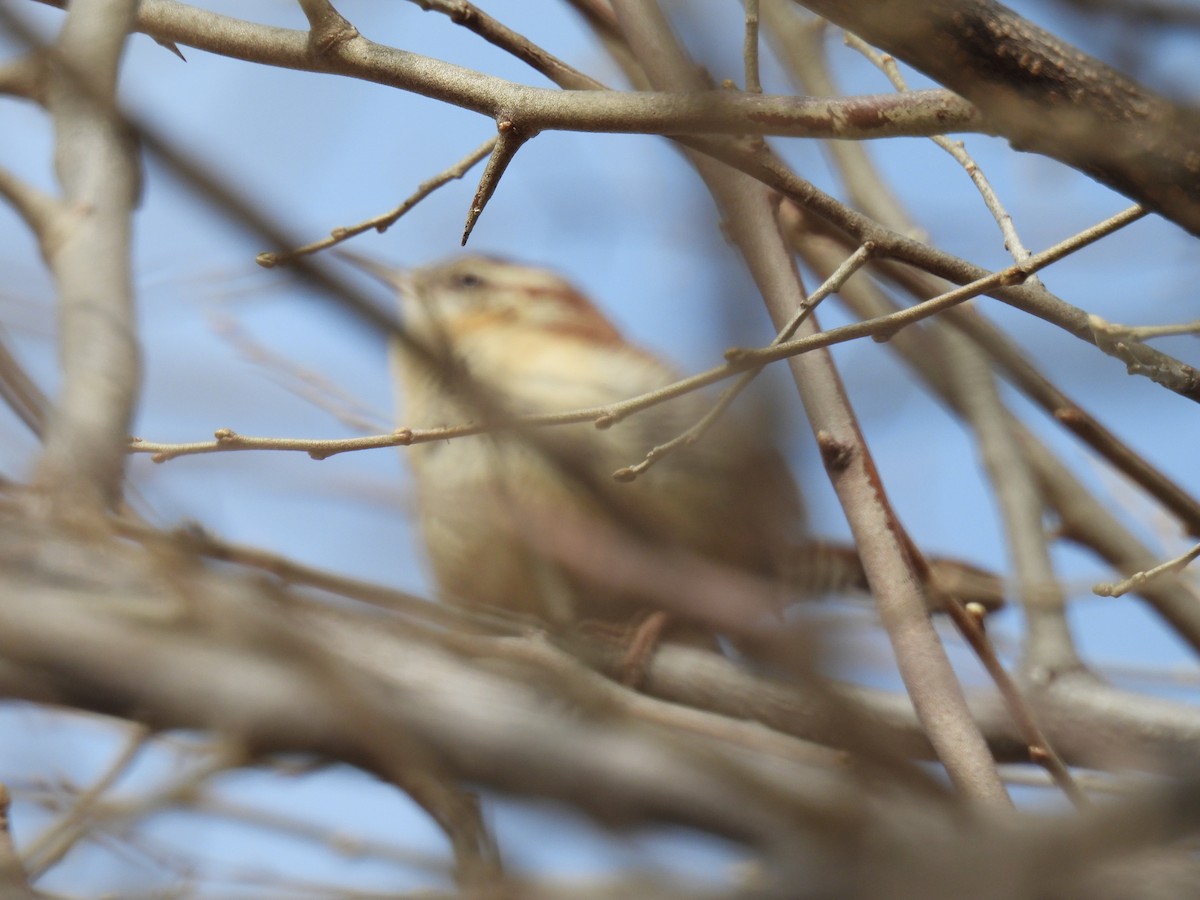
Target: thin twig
x,y
48,848
381,223
1012,241
738,360
471,17
885,327
1138,580
831,286
1112,334
1019,371
750,48
1041,752
14,883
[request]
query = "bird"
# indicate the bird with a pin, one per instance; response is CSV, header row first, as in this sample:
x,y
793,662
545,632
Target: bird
x,y
544,521
494,341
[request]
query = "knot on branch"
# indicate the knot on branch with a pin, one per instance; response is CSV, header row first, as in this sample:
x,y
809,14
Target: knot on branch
x,y
328,29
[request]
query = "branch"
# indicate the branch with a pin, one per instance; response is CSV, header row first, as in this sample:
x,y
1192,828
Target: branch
x,y
920,113
142,630
14,883
750,218
381,223
1159,367
1018,370
1084,518
37,209
277,673
1044,95
495,32
1139,579
82,464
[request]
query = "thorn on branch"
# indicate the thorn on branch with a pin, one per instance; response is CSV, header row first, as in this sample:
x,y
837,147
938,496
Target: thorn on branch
x,y
172,46
509,139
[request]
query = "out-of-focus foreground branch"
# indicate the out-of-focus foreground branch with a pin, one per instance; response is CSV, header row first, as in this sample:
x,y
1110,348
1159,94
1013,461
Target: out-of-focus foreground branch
x,y
147,631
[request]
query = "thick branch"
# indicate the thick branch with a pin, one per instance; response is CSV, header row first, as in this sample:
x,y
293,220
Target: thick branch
x,y
149,634
887,115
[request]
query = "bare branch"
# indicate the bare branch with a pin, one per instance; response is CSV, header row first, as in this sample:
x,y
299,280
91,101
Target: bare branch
x,y
1012,240
13,880
1138,580
926,671
1159,367
495,32
327,27
920,113
25,77
40,211
1043,94
57,840
268,259
88,249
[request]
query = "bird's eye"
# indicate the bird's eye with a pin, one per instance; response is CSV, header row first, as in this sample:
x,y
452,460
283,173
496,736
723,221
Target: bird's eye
x,y
467,280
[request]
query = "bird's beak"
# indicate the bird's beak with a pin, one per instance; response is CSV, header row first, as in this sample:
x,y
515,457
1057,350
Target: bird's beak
x,y
394,277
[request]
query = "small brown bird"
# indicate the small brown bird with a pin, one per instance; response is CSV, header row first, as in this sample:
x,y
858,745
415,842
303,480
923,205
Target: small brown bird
x,y
492,340
530,519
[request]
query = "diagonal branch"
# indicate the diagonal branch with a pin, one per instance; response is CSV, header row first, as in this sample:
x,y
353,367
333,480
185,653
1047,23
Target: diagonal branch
x,y
750,217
